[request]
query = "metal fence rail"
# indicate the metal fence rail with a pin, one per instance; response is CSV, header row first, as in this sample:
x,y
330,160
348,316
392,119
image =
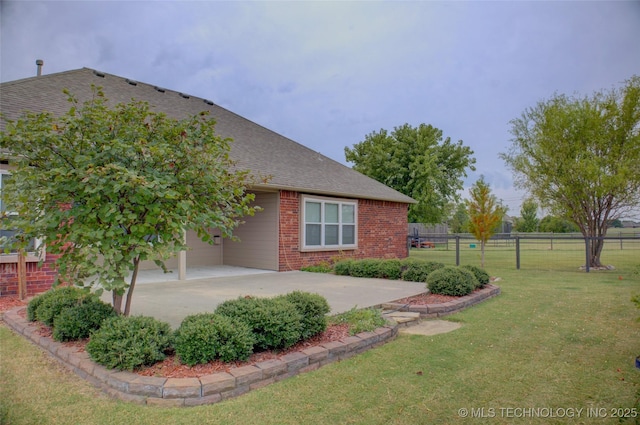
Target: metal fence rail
x,y
532,246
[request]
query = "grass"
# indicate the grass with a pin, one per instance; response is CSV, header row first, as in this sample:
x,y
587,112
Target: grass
x,y
550,340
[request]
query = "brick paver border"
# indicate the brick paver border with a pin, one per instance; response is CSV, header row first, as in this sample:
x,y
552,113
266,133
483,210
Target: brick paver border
x,y
219,386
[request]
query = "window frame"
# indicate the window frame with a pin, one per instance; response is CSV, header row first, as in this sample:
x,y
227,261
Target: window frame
x,y
12,257
323,201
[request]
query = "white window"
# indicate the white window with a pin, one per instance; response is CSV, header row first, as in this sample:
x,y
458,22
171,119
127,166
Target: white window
x,y
7,233
329,223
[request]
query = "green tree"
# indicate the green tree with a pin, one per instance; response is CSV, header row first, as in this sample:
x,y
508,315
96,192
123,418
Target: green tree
x,y
459,223
417,162
485,213
528,221
557,225
580,157
110,187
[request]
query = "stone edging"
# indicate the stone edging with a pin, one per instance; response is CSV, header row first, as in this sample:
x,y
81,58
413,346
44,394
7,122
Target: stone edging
x,y
430,311
207,389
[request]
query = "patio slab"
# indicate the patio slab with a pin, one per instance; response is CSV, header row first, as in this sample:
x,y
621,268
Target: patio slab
x,y
172,301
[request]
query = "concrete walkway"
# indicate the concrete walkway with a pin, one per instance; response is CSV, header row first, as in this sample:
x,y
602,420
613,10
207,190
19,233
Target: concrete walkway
x,y
172,301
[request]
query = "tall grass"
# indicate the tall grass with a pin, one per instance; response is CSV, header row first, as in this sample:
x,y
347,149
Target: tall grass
x,y
551,340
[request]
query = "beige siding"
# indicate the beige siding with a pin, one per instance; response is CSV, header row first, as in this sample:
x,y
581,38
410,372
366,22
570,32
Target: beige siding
x,y
258,246
200,254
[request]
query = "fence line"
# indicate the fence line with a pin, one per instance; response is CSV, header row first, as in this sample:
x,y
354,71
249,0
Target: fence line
x,y
533,241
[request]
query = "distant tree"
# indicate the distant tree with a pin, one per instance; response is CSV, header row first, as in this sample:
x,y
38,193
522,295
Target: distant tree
x,y
418,163
551,224
110,187
528,220
459,223
485,213
616,223
580,157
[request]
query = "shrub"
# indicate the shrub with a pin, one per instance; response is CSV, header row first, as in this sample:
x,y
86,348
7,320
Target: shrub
x,y
322,267
56,300
342,268
367,267
390,269
313,308
275,322
481,275
363,320
79,321
208,336
451,280
33,305
417,271
126,343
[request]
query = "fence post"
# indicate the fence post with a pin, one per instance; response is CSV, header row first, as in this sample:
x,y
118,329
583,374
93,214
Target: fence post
x,y
587,256
457,250
517,252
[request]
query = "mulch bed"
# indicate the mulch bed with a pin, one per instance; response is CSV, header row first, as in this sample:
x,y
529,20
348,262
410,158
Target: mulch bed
x,y
172,368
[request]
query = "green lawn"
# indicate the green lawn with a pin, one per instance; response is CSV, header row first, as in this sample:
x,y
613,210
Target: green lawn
x,y
551,340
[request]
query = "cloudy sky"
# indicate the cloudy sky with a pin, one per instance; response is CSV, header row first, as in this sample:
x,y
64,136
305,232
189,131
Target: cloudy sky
x,y
326,74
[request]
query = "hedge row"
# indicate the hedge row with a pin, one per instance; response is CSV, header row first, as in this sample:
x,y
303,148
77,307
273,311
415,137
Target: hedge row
x,y
440,279
232,333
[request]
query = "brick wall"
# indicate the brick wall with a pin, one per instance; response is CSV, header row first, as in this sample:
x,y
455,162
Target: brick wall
x,y
382,232
40,277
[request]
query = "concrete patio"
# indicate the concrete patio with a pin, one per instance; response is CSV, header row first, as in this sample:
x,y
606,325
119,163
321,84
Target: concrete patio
x,y
164,297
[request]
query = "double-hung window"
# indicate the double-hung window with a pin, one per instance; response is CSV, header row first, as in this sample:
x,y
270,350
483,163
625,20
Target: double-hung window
x,y
329,223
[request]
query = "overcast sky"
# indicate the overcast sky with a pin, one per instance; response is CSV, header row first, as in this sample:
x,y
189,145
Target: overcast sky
x,y
326,74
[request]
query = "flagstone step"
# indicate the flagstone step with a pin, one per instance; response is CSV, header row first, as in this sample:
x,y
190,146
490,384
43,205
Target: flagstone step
x,y
402,316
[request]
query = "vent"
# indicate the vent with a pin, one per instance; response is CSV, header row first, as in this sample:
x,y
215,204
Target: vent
x,y
186,96
98,74
160,89
133,83
208,102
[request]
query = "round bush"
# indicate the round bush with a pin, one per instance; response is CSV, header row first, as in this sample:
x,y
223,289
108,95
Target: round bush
x,y
126,343
313,308
417,271
481,275
33,305
451,281
208,336
79,321
342,268
367,267
274,322
56,300
390,269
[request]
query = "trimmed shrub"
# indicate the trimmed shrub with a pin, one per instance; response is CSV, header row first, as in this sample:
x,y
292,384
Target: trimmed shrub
x,y
342,268
33,305
79,321
274,322
208,336
126,343
417,271
367,267
451,280
56,300
390,269
481,275
313,308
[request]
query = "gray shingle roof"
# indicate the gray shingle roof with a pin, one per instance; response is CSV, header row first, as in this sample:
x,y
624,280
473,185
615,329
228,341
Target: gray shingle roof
x,y
256,148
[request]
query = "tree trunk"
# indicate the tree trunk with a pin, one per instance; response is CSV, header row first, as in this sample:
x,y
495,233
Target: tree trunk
x,y
482,254
595,250
22,275
132,285
117,302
